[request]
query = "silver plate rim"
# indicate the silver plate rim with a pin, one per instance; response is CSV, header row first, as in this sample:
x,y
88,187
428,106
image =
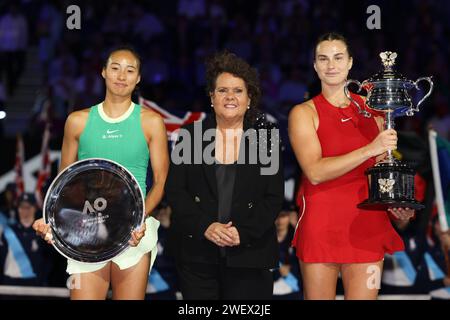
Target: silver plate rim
x,y
67,169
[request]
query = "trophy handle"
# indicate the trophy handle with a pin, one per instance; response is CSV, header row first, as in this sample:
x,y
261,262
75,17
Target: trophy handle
x,y
428,79
347,94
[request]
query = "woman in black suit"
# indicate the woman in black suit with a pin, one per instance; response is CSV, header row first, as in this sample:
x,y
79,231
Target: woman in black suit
x,y
226,187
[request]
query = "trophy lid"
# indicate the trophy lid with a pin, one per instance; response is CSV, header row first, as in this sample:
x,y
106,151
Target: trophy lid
x,y
388,72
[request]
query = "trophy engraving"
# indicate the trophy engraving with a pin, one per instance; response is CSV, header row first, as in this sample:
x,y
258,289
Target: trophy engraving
x,y
388,59
386,185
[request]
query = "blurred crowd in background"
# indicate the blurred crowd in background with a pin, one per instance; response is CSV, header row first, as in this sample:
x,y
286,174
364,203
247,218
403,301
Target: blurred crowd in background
x,y
174,37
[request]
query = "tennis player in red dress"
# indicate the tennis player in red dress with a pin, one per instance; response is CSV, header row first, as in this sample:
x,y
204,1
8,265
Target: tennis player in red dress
x,y
334,145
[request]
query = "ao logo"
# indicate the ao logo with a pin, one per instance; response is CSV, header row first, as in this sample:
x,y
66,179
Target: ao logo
x,y
99,205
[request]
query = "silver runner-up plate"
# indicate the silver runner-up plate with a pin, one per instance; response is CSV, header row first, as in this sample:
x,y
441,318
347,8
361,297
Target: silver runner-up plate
x,y
92,207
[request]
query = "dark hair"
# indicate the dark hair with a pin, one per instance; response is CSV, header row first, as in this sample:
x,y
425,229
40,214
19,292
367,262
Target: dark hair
x,y
229,62
26,197
124,48
330,36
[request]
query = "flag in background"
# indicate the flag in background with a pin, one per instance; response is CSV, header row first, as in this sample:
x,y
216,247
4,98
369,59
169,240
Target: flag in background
x,y
172,121
440,162
45,170
18,166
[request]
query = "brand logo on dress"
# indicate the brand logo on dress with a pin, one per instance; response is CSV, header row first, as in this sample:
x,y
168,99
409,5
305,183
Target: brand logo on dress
x,y
345,120
386,185
112,134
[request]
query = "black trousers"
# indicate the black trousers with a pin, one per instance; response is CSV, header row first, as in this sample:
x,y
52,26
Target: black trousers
x,y
201,281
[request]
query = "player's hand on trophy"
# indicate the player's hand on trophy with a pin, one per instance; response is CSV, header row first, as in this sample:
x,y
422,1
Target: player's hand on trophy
x,y
385,140
402,213
137,235
43,230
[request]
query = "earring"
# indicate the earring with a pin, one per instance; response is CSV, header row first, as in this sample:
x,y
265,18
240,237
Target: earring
x,y
212,106
248,107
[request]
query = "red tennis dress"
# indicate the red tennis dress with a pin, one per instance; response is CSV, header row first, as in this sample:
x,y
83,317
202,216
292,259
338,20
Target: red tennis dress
x,y
332,229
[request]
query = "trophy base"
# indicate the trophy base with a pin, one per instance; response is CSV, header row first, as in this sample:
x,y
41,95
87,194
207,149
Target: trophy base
x,y
384,205
391,185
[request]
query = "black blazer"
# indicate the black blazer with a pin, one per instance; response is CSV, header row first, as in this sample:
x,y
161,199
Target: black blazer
x,y
191,190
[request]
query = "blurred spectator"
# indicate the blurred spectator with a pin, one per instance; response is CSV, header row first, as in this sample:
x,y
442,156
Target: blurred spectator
x,y
49,27
2,108
42,112
270,87
240,44
294,89
114,23
13,43
191,8
8,204
146,25
293,217
64,62
155,70
422,267
216,11
62,80
287,277
24,255
201,53
290,5
444,243
163,281
88,86
2,94
440,121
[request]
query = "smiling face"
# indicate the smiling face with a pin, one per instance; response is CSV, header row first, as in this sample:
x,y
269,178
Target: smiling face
x,y
332,62
230,97
121,73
